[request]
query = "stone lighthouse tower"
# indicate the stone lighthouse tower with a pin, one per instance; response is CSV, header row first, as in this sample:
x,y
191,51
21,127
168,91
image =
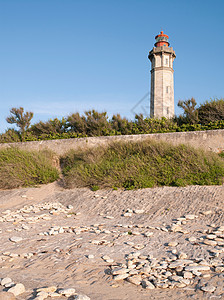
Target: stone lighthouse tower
x,y
162,88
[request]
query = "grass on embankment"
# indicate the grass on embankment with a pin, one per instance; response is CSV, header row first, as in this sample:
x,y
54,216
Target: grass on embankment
x,y
144,164
20,168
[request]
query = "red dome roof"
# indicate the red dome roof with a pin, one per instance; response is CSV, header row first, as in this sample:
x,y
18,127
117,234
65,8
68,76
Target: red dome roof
x,y
162,40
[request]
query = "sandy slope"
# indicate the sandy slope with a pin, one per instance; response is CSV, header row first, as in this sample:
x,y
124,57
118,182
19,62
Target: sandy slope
x,y
71,268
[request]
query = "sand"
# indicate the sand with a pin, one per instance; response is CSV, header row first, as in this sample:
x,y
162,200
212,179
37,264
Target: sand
x,y
62,259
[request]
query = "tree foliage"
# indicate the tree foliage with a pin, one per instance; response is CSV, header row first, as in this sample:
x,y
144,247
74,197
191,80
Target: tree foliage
x,y
20,118
211,111
190,114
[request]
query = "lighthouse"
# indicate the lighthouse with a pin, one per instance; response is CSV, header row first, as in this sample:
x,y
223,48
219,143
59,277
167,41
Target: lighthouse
x,y
162,86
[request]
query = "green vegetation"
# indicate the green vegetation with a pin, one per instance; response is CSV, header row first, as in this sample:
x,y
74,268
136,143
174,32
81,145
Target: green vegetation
x,y
20,168
21,119
212,111
140,165
208,116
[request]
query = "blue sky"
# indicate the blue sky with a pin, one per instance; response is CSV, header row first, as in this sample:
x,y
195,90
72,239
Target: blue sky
x,y
62,56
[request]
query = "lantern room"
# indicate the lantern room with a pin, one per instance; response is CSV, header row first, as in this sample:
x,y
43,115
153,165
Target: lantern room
x,y
162,40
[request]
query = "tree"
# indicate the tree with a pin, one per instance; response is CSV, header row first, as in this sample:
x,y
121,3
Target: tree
x,y
20,118
120,125
50,127
211,111
190,114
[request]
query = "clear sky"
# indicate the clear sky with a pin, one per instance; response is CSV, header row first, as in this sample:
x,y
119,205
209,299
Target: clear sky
x,y
62,56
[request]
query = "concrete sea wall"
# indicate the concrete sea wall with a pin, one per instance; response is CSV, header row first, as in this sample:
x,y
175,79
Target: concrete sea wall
x,y
212,140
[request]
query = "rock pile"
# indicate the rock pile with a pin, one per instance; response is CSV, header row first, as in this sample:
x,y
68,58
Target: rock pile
x,y
169,272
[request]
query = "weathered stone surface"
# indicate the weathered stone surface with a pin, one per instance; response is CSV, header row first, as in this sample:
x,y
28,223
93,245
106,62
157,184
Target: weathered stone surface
x,y
67,292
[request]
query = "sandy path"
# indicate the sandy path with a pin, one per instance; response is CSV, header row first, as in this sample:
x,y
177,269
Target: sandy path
x,y
68,266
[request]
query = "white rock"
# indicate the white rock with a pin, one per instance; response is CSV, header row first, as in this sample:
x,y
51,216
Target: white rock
x,y
192,239
67,292
119,271
139,211
191,217
61,230
172,244
121,276
211,236
208,288
138,247
127,214
182,255
147,284
210,242
197,268
207,212
42,295
188,275
17,289
15,239
90,256
148,233
175,228
70,207
6,280
136,279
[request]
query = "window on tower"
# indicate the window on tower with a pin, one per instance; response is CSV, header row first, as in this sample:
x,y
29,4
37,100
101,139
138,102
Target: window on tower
x,y
167,89
166,61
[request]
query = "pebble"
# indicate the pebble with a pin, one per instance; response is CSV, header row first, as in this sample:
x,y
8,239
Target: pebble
x,y
67,292
188,275
192,239
121,276
5,281
139,211
210,242
17,289
172,244
207,212
50,289
190,217
136,279
208,288
16,239
147,285
197,268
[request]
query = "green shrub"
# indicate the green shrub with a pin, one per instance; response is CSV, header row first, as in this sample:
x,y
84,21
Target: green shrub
x,y
140,165
20,168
